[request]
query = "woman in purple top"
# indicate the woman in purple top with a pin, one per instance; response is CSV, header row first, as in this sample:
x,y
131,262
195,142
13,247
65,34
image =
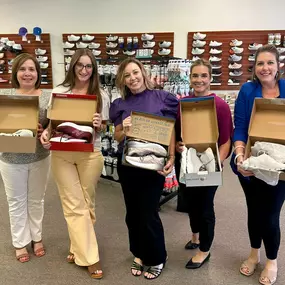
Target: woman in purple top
x,y
200,200
142,188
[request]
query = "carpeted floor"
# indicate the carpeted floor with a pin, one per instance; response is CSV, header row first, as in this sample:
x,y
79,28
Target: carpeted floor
x,y
229,249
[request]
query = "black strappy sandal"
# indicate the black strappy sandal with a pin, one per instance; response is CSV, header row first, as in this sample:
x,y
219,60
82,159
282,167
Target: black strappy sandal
x,y
138,267
155,271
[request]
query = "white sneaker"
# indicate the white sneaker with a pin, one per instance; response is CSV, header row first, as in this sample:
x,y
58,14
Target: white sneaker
x,y
197,51
73,38
39,51
42,58
141,149
93,45
111,38
215,44
129,52
199,36
198,43
215,51
43,65
254,46
81,45
193,162
237,50
111,45
235,65
208,159
67,59
19,133
112,52
4,40
235,43
150,162
148,44
214,58
68,45
274,150
164,44
235,73
183,168
194,58
281,57
164,51
69,52
96,52
234,57
1,55
87,38
147,37
281,49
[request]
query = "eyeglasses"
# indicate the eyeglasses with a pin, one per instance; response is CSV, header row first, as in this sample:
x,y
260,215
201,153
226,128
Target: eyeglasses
x,y
80,66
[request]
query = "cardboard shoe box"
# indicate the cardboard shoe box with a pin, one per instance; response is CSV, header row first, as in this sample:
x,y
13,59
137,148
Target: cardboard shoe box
x,y
267,124
78,109
151,128
199,130
18,112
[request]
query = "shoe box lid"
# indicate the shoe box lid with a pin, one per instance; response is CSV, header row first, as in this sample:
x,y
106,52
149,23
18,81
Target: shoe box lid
x,y
199,124
152,128
72,108
18,112
267,123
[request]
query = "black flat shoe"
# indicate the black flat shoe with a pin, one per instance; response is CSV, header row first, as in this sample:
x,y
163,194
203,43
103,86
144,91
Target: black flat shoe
x,y
191,245
194,265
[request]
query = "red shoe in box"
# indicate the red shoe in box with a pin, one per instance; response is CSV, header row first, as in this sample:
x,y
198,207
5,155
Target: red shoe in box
x,y
76,131
61,137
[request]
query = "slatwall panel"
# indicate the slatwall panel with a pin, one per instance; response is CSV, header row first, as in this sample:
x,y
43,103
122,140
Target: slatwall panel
x,y
29,47
101,39
248,37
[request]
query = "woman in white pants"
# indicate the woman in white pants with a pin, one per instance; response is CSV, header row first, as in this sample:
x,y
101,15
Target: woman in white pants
x,y
25,175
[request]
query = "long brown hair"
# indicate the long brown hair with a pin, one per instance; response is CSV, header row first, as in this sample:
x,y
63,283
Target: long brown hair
x,y
271,49
17,63
120,79
94,83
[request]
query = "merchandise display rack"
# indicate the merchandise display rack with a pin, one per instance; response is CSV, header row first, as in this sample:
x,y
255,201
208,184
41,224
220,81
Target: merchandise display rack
x,y
225,37
28,46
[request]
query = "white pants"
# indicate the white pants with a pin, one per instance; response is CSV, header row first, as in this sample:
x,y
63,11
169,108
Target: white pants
x,y
25,186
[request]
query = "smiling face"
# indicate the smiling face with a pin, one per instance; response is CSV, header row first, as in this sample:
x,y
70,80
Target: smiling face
x,y
200,80
133,78
266,67
27,75
83,68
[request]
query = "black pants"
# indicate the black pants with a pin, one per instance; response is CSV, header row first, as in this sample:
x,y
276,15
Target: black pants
x,y
264,203
142,191
200,201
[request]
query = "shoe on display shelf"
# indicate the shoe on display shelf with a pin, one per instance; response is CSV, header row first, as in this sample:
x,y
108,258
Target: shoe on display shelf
x,y
235,58
2,80
194,58
164,44
235,43
4,40
250,68
254,46
135,43
73,38
251,57
81,45
199,36
235,73
216,73
93,45
1,55
87,38
214,58
121,42
215,51
111,38
68,45
235,65
43,65
270,39
39,51
281,57
198,43
112,52
147,37
67,59
164,51
281,49
42,58
69,52
233,81
96,52
215,44
44,72
129,52
216,66
236,50
44,81
148,44
111,45
198,51
216,81
277,39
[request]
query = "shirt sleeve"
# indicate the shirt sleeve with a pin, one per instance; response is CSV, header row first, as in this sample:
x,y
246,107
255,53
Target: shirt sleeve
x,y
116,112
170,108
241,125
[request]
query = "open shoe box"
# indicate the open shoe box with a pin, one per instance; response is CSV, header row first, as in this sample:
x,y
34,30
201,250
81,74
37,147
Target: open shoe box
x,y
199,129
18,112
148,127
267,124
78,109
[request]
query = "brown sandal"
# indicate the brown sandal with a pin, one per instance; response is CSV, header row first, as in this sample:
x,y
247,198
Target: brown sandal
x,y
268,277
24,257
70,258
95,270
247,268
40,251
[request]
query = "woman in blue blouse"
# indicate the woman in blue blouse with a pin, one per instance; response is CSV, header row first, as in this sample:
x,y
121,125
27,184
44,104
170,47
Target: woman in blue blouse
x,y
264,202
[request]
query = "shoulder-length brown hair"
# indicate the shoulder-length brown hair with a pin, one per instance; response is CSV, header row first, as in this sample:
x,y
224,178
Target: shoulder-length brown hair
x,y
94,83
271,49
120,79
17,63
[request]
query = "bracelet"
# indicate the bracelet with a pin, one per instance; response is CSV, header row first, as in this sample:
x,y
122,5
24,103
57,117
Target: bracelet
x,y
239,146
238,155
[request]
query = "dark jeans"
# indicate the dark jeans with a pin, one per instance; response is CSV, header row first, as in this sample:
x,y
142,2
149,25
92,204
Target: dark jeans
x,y
200,201
142,191
264,203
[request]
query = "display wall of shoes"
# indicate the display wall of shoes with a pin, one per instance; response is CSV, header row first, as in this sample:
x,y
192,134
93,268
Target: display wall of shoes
x,y
119,45
12,44
231,53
